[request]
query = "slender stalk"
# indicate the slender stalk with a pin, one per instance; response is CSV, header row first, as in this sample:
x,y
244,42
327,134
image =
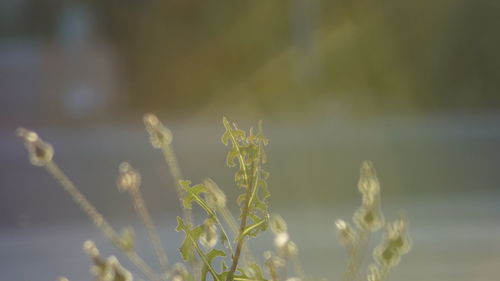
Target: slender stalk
x,y
175,171
142,211
356,257
231,222
99,220
243,223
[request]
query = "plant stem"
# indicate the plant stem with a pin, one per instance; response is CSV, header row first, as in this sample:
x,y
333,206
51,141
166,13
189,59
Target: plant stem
x,y
99,220
175,171
352,273
140,207
243,223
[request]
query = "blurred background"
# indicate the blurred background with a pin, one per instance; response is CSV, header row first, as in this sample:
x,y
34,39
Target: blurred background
x,y
413,86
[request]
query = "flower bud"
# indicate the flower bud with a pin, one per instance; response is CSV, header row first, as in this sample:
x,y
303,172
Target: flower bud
x,y
396,243
369,217
373,273
346,234
128,178
159,135
127,239
40,152
277,224
90,249
281,239
368,183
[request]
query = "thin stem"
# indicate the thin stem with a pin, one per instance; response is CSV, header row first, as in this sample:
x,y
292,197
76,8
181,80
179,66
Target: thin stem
x,y
175,171
99,220
352,273
231,221
142,211
243,225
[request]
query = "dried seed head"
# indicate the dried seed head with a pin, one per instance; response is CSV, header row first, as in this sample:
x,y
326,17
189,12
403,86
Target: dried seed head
x,y
90,249
128,178
368,183
346,234
209,236
216,197
159,135
277,224
373,273
40,152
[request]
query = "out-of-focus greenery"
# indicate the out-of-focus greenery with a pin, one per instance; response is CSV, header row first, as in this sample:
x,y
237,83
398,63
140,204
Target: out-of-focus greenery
x,y
367,55
420,55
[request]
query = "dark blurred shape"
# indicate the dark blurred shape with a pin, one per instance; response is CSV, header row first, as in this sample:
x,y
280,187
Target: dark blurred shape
x,y
91,58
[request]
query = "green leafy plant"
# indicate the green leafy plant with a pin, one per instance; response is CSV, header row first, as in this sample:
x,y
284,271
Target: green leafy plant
x,y
217,249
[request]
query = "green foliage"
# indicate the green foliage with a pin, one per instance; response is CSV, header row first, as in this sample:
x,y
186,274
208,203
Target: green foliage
x,y
210,251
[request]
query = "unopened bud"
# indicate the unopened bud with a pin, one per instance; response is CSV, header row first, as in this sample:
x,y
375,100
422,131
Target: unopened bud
x,y
281,239
90,249
369,217
277,224
128,178
159,135
127,239
40,152
368,183
345,232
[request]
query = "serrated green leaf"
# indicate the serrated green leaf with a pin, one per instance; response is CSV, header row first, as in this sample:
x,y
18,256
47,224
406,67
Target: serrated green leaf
x,y
209,259
193,193
258,225
191,235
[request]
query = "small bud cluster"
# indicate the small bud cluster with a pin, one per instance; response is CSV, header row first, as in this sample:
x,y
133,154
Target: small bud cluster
x,y
286,248
369,216
109,269
127,239
396,243
347,236
128,178
40,152
159,135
